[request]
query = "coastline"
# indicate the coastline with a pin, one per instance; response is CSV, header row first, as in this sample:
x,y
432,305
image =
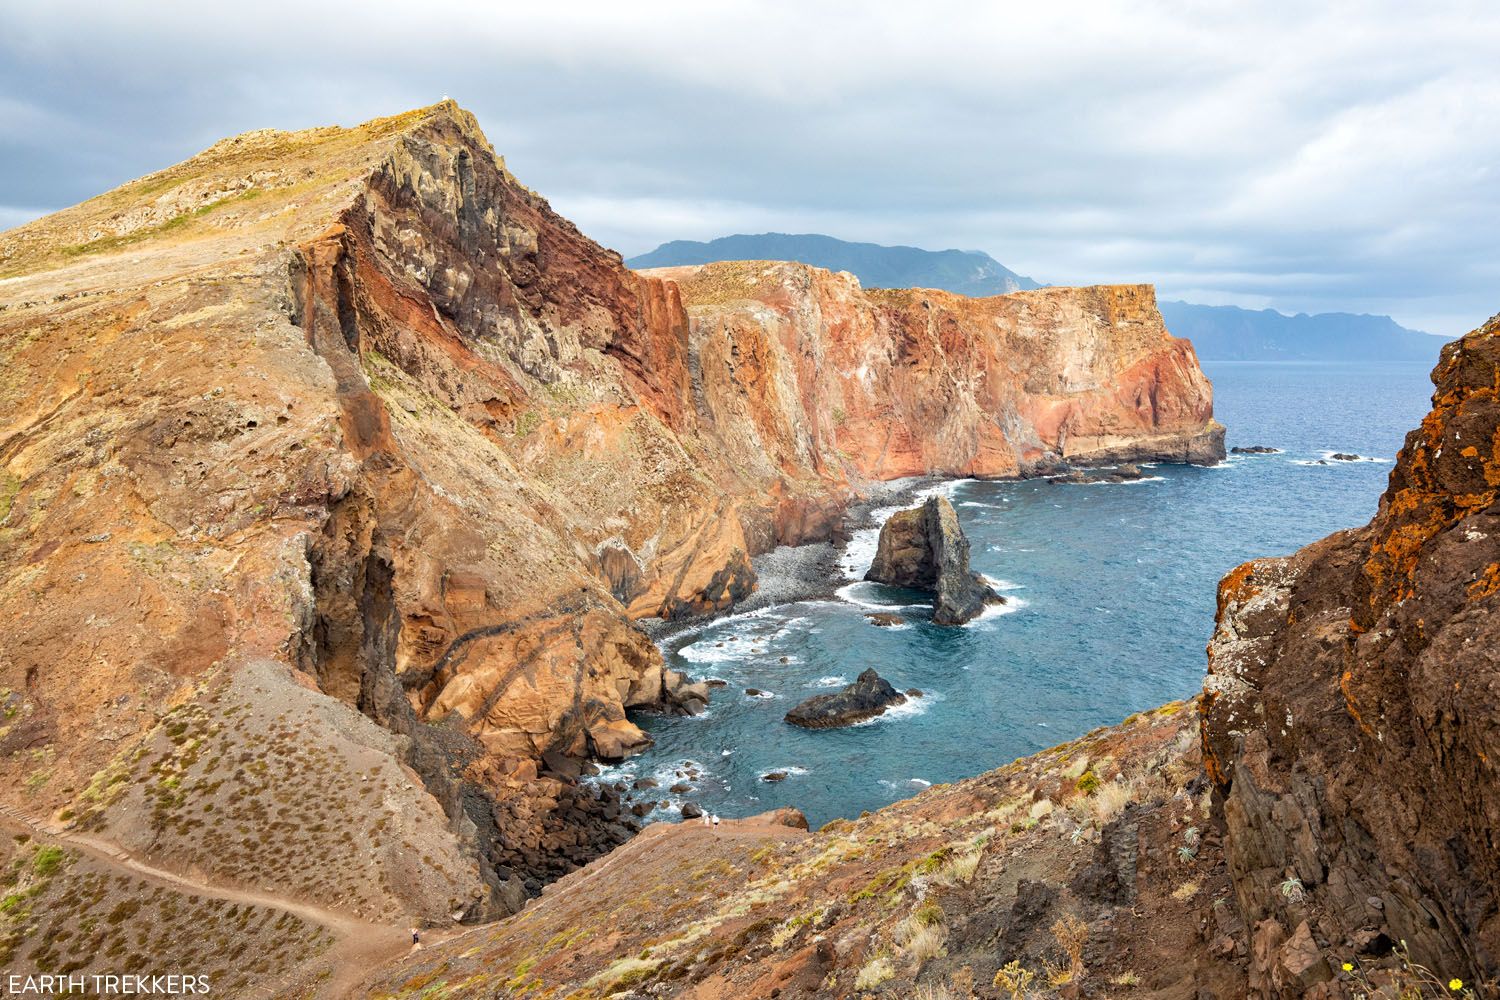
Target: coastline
x,y
791,573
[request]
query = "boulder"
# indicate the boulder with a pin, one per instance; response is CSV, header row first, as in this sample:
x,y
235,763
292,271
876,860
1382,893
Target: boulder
x,y
678,694
1344,456
1254,449
691,810
1125,473
925,549
786,816
885,619
867,697
773,776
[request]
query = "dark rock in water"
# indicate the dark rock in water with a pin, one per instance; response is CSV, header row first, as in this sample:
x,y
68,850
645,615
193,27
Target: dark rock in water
x,y
885,619
681,788
867,697
643,783
1254,449
773,776
1126,473
786,659
925,549
641,808
754,692
914,692
691,810
715,682
1344,456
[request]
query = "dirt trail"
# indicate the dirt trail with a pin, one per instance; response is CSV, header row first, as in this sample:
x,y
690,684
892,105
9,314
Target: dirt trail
x,y
360,946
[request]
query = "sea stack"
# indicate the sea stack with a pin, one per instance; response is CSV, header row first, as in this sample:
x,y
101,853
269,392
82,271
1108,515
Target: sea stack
x,y
925,549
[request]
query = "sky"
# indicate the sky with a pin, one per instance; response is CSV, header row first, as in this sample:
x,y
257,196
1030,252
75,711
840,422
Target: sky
x,y
1298,156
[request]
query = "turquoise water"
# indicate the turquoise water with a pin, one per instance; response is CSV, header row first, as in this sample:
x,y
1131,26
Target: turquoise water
x,y
1112,588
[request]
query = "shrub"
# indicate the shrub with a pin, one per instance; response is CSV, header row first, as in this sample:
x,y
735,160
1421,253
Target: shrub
x,y
47,860
875,972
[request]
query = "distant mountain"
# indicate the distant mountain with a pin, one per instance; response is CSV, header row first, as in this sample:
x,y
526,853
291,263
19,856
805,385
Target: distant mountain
x,y
967,272
1229,333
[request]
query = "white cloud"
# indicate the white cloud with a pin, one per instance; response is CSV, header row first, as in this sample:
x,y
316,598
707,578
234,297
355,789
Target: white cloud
x,y
1303,156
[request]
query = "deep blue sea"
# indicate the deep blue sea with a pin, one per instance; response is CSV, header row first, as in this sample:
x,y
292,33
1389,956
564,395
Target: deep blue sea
x,y
1111,587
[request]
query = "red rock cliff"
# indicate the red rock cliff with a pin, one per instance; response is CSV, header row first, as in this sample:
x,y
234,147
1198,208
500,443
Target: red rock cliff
x,y
356,402
1352,716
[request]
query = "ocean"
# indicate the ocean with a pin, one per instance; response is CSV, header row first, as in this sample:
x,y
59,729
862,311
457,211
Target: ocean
x,y
1111,592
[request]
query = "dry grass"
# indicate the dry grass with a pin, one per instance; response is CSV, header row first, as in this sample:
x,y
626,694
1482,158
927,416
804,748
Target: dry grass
x,y
875,972
921,940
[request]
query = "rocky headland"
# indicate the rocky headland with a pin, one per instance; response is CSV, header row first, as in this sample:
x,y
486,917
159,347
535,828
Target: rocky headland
x,y
336,459
1318,823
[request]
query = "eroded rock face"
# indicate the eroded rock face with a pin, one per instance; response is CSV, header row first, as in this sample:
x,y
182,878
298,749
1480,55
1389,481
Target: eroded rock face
x,y
925,549
1351,717
358,403
802,369
869,696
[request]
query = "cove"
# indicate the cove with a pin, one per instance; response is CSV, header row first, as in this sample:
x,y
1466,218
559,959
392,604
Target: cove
x,y
1111,589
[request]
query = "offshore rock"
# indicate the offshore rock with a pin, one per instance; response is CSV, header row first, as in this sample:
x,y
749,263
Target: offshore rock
x,y
869,696
925,549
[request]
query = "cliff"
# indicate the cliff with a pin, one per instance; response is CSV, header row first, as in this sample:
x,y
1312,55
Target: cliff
x,y
355,410
1351,715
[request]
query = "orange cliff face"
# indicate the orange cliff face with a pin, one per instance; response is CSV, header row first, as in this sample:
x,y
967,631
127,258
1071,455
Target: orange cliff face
x,y
833,383
356,403
1351,715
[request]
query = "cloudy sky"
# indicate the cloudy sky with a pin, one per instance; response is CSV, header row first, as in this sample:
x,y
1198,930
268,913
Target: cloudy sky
x,y
1250,153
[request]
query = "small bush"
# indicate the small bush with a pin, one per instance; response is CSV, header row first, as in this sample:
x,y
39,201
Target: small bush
x,y
874,973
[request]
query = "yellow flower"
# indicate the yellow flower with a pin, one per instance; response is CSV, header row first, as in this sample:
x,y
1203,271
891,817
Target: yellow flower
x,y
1348,967
1455,985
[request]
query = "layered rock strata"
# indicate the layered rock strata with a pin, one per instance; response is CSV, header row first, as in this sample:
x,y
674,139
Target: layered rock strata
x,y
1351,716
357,403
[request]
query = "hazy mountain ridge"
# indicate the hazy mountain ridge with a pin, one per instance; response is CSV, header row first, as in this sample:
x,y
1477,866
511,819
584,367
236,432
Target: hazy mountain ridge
x,y
967,272
1230,333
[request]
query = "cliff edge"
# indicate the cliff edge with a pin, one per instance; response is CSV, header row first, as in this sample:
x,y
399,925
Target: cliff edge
x,y
356,405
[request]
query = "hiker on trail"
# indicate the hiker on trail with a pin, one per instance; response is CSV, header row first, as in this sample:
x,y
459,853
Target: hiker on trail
x,y
416,938
708,819
716,824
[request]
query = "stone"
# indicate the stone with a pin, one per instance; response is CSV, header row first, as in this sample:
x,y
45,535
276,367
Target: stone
x,y
885,619
925,549
867,697
1254,449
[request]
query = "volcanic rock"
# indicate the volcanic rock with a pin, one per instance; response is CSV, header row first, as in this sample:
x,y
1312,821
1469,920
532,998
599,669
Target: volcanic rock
x,y
1350,711
1344,456
885,619
1123,473
1254,449
356,403
925,549
867,697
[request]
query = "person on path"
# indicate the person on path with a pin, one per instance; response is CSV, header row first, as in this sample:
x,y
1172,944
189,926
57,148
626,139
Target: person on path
x,y
716,824
708,819
416,938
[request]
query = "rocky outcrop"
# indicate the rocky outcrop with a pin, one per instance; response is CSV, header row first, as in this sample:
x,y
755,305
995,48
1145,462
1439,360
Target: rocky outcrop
x,y
870,695
925,549
358,403
1350,716
805,372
